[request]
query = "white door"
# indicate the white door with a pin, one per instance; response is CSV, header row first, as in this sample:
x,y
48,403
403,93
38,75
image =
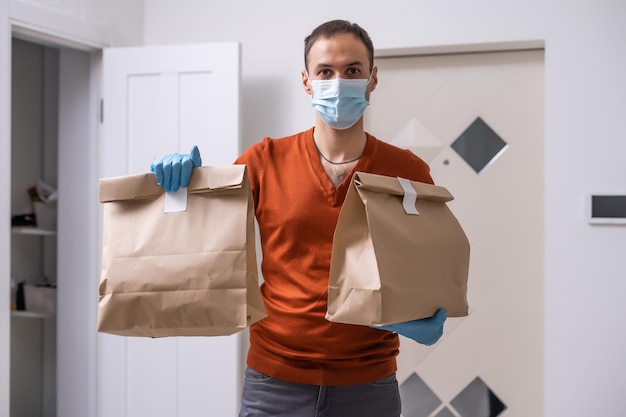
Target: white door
x,y
159,100
477,119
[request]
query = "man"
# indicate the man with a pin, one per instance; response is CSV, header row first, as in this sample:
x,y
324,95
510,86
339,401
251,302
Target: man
x,y
300,364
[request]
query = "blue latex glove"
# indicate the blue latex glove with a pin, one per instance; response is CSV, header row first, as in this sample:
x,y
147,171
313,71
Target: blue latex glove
x,y
173,170
425,331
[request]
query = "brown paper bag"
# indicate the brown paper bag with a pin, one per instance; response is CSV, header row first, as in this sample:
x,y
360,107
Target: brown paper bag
x,y
186,273
388,266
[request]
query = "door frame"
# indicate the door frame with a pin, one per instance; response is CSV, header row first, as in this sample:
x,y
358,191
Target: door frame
x,y
465,48
46,27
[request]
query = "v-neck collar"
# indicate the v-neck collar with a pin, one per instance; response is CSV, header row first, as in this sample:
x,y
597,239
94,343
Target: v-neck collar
x,y
334,195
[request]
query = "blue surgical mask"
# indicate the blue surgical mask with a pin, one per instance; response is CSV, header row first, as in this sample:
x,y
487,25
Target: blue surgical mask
x,y
340,102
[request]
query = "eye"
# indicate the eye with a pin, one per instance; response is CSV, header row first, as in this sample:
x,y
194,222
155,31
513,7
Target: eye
x,y
324,73
353,72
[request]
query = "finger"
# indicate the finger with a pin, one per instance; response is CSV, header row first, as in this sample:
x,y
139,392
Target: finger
x,y
167,175
157,167
185,171
175,174
195,156
440,315
167,161
434,338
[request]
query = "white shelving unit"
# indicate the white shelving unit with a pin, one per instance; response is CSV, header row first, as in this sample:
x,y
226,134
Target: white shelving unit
x,y
29,314
33,333
34,157
28,230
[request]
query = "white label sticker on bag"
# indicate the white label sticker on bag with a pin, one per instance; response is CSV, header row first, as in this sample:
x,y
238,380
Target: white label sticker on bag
x,y
410,196
176,200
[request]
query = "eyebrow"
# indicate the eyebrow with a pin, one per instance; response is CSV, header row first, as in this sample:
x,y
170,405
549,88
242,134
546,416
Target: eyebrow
x,y
350,64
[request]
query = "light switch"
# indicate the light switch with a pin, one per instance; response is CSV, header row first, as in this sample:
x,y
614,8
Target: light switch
x,y
606,208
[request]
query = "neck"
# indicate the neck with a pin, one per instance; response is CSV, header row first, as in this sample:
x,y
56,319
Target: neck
x,y
340,145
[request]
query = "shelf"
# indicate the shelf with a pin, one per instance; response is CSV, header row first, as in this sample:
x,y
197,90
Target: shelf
x,y
28,314
29,230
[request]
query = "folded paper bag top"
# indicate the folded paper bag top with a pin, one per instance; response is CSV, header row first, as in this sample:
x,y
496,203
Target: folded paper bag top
x,y
139,186
390,266
189,273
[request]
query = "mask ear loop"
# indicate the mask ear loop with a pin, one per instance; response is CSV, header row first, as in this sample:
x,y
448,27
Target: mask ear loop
x,y
370,77
308,80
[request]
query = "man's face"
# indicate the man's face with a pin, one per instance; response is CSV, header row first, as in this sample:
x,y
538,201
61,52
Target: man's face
x,y
341,56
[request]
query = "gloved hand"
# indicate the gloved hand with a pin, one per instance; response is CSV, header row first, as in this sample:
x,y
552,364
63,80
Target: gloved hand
x,y
425,331
173,170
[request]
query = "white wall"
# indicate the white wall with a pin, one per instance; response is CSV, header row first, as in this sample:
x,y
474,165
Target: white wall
x,y
585,273
120,18
5,208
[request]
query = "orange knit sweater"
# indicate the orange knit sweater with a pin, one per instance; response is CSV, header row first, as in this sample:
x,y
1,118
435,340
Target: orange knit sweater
x,y
297,208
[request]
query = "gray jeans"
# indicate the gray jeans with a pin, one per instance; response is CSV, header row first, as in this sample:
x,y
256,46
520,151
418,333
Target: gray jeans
x,y
264,396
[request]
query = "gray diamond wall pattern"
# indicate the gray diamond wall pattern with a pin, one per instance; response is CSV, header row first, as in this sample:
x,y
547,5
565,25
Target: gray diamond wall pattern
x,y
477,120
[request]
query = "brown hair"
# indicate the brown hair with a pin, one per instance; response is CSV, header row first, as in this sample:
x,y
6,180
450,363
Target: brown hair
x,y
334,27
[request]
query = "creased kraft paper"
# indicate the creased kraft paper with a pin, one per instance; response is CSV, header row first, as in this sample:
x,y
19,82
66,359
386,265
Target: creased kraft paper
x,y
389,266
187,273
